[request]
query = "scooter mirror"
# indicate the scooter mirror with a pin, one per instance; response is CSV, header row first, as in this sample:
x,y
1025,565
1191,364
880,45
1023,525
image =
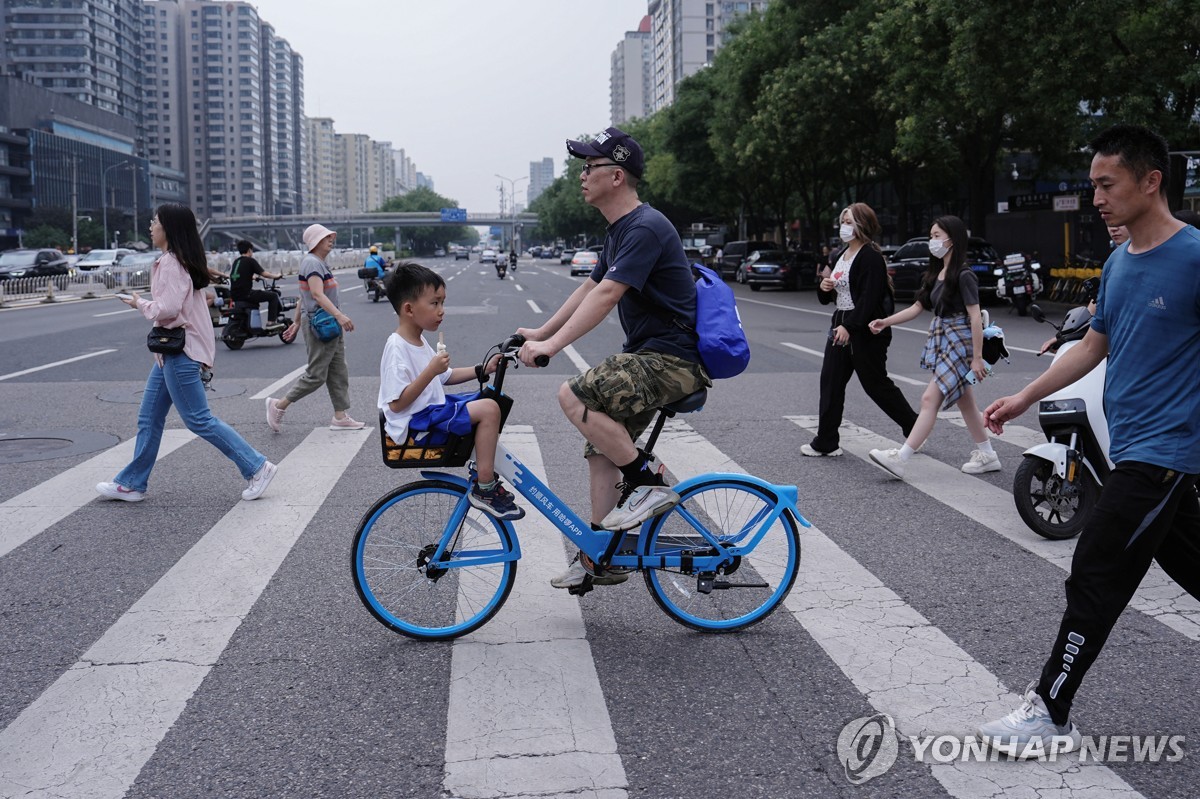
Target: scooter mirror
x,y
1036,312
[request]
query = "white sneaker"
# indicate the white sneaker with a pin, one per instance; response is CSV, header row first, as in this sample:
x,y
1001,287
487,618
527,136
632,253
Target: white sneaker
x,y
639,503
806,449
1029,731
889,460
982,462
345,423
118,491
257,484
575,575
274,414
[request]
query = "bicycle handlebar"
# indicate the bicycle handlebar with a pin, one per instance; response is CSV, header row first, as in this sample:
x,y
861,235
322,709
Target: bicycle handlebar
x,y
514,342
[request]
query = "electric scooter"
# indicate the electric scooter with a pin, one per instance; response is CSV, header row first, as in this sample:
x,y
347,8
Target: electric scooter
x,y
248,320
1058,483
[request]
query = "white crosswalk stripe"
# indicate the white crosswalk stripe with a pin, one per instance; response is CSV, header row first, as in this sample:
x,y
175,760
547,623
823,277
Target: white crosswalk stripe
x,y
904,666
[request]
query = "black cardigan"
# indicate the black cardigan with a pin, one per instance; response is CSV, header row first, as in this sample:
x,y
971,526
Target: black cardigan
x,y
868,285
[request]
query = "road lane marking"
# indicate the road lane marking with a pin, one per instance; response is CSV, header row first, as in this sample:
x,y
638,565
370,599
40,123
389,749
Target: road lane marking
x,y
1015,434
114,313
576,358
533,656
91,732
348,289
34,511
821,355
1158,596
534,306
518,286
56,363
901,663
280,383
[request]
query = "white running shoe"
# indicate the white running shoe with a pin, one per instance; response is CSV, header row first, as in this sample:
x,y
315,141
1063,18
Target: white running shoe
x,y
889,460
982,462
575,575
806,449
118,491
638,503
1029,731
274,414
257,484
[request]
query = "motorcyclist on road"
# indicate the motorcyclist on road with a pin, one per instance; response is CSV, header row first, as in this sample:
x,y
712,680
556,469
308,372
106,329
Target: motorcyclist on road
x,y
512,260
241,280
376,260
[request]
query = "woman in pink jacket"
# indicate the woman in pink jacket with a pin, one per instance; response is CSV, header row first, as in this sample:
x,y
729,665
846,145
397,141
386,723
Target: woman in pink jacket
x,y
177,283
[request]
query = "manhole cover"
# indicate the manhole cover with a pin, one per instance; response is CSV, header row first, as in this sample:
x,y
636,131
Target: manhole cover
x,y
43,445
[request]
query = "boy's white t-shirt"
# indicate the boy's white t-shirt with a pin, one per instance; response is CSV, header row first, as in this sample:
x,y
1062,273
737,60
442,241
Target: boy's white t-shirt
x,y
401,364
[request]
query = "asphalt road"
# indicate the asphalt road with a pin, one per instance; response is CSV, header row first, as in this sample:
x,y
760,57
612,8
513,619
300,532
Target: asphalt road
x,y
194,645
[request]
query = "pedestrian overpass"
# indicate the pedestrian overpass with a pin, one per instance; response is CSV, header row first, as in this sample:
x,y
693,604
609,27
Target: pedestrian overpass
x,y
288,227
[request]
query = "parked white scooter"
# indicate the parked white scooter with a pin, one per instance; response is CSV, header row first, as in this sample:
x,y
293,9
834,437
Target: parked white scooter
x,y
1058,483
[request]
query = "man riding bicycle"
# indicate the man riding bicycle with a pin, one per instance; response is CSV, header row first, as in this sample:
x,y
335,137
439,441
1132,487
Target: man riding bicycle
x,y
644,272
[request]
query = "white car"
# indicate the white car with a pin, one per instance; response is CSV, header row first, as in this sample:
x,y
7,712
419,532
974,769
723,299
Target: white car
x,y
488,257
99,259
583,262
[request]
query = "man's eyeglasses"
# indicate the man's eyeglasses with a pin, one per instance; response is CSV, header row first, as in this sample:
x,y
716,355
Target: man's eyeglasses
x,y
587,168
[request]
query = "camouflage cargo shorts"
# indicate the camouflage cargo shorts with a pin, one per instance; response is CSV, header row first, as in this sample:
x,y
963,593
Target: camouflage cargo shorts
x,y
630,386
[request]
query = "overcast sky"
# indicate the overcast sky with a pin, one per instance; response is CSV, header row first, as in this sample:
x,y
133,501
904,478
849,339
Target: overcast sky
x,y
469,88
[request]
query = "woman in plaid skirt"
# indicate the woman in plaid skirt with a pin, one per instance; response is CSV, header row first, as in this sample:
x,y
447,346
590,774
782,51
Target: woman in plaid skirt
x,y
953,351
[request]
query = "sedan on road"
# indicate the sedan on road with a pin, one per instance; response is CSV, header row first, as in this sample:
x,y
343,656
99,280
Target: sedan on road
x,y
777,269
16,264
583,262
908,266
100,259
566,256
487,257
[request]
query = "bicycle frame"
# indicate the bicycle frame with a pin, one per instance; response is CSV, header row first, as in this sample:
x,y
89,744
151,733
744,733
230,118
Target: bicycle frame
x,y
595,543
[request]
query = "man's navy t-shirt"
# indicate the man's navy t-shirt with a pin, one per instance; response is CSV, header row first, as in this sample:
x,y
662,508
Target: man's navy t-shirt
x,y
1149,307
643,251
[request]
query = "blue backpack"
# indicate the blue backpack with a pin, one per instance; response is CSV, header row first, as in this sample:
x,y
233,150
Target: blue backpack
x,y
719,335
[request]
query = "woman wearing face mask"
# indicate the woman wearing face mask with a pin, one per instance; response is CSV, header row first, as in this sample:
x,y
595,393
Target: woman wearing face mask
x,y
953,351
858,284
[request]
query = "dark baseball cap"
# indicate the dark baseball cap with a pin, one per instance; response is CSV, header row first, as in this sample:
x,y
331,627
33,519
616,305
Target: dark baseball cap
x,y
614,144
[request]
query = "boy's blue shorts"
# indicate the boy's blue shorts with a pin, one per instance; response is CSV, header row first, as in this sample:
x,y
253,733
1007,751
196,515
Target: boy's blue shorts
x,y
433,424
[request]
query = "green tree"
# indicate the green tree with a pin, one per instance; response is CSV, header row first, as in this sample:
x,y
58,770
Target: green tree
x,y
424,239
47,236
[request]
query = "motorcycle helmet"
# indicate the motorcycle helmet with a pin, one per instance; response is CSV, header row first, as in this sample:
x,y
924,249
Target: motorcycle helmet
x,y
374,250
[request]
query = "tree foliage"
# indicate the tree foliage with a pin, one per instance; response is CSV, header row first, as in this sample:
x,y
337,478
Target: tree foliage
x,y
916,104
424,239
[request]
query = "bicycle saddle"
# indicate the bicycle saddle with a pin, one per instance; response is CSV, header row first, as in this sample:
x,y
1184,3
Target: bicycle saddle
x,y
692,402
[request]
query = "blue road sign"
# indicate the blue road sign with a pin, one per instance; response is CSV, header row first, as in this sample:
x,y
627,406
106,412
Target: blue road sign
x,y
454,214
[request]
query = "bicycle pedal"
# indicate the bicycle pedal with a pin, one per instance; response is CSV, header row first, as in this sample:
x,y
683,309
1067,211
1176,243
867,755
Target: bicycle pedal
x,y
582,588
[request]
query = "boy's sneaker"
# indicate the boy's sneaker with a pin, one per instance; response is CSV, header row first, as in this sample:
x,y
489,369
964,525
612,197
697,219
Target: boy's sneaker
x,y
495,502
257,484
1029,731
982,462
118,491
806,449
274,414
640,502
345,423
889,460
582,567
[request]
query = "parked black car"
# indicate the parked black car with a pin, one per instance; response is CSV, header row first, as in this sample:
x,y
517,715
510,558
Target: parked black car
x,y
909,263
778,269
16,264
734,252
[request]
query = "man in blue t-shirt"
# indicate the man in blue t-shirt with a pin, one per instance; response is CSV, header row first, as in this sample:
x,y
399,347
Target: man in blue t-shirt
x,y
643,273
1147,324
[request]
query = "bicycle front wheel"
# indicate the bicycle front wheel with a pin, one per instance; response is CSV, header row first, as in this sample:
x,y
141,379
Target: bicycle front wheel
x,y
401,583
745,591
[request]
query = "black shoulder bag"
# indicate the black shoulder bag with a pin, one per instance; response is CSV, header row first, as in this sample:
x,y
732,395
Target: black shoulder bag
x,y
166,340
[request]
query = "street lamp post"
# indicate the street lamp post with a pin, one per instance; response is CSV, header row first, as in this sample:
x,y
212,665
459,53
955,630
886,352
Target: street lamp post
x,y
104,194
512,193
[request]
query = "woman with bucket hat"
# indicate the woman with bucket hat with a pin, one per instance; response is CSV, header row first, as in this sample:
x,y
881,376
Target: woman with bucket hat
x,y
326,356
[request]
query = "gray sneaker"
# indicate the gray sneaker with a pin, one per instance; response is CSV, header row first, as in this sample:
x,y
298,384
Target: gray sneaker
x,y
1029,731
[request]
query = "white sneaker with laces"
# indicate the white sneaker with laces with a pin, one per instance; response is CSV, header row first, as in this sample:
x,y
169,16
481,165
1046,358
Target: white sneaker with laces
x,y
257,484
639,504
889,460
118,491
1029,731
575,575
982,462
806,449
345,423
274,414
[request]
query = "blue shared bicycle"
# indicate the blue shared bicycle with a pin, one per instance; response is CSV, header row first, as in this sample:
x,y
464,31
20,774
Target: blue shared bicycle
x,y
429,565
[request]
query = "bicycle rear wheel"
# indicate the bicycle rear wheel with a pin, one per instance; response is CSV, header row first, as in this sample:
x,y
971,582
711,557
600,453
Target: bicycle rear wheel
x,y
731,511
404,589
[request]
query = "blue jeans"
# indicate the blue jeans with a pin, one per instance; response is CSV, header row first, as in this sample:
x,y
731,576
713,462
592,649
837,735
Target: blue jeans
x,y
177,382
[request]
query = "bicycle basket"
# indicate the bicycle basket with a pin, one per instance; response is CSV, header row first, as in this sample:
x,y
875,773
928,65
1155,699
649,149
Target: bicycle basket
x,y
456,450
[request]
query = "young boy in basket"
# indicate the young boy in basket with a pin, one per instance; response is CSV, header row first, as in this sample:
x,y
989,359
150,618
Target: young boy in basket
x,y
411,377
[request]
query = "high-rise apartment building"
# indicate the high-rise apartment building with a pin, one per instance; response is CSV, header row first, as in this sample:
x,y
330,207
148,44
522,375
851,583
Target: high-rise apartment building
x,y
686,35
631,85
322,182
283,79
89,50
541,175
